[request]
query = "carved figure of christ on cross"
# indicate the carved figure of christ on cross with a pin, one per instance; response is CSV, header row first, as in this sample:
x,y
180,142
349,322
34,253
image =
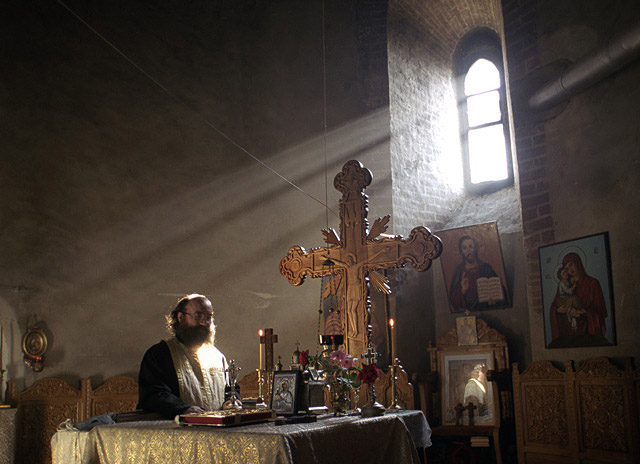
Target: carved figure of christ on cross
x,y
357,254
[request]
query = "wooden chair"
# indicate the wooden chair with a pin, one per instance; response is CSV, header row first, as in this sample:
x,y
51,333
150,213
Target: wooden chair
x,y
443,388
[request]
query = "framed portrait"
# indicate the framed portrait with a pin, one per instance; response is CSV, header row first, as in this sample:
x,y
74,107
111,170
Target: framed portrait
x,y
464,381
577,292
285,392
466,330
473,268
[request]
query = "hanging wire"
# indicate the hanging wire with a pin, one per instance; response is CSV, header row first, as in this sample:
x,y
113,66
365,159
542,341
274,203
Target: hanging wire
x,y
327,262
326,190
198,115
320,313
324,113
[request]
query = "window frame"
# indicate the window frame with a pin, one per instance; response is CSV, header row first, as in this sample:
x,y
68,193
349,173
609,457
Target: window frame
x,y
479,44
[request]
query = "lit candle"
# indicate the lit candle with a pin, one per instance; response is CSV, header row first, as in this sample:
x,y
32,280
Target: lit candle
x,y
260,334
392,327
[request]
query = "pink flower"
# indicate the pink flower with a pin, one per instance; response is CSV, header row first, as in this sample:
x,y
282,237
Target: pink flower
x,y
342,359
337,357
349,362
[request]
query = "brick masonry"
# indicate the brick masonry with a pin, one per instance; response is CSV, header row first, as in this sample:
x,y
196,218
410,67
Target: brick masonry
x,y
537,219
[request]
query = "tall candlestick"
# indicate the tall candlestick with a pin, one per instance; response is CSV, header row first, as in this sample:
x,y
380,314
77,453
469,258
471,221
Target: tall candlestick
x,y
261,334
392,326
394,369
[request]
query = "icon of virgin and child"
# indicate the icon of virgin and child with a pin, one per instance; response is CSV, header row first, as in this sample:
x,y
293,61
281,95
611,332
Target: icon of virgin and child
x,y
578,312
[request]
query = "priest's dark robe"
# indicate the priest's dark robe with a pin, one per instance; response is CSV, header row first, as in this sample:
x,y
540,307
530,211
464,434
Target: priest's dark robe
x,y
158,388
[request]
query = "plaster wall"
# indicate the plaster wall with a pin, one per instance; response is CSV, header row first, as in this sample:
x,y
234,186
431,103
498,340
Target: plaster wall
x,y
578,160
125,186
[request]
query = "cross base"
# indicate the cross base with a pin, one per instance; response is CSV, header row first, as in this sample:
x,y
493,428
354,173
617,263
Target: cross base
x,y
233,403
373,409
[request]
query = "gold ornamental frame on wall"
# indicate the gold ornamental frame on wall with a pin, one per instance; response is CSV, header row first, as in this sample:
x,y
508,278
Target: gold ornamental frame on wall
x,y
34,346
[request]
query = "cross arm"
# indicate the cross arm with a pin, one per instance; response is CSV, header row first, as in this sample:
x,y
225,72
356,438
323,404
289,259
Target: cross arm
x,y
299,264
419,250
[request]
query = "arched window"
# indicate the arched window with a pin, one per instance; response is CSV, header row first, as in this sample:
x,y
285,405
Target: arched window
x,y
483,113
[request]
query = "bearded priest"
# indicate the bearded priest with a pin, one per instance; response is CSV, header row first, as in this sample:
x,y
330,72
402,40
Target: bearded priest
x,y
184,374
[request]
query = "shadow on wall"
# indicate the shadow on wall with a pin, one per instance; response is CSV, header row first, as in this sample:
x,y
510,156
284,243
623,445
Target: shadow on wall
x,y
104,295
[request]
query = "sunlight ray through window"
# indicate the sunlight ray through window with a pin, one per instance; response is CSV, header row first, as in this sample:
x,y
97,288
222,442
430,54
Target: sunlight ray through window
x,y
482,77
487,154
484,108
483,112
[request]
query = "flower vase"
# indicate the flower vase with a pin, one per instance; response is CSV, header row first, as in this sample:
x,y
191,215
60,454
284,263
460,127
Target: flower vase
x,y
339,402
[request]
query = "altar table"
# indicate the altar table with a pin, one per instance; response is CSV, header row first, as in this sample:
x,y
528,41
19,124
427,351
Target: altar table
x,y
390,439
8,424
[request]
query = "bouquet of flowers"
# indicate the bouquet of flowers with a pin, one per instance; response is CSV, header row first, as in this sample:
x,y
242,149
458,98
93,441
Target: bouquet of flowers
x,y
341,373
339,370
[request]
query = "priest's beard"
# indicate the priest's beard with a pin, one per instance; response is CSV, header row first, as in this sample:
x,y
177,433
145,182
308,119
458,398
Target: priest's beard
x,y
195,336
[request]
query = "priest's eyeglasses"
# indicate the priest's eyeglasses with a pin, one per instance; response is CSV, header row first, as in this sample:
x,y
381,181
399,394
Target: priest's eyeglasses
x,y
200,317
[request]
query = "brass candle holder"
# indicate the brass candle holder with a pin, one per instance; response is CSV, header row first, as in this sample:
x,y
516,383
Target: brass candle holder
x,y
260,404
395,406
231,377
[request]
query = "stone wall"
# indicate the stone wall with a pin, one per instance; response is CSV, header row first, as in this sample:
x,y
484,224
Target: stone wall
x,y
426,165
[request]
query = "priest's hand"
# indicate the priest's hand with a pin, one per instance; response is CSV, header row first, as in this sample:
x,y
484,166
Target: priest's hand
x,y
193,410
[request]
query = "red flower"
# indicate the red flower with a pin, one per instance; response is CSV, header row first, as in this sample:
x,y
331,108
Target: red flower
x,y
304,357
369,373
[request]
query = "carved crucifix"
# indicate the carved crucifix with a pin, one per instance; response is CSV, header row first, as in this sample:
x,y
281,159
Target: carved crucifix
x,y
355,255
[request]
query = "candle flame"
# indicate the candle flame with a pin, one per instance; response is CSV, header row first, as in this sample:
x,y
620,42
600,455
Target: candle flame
x,y
391,322
260,332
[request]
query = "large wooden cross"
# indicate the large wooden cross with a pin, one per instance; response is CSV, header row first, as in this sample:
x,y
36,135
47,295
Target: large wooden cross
x,y
355,256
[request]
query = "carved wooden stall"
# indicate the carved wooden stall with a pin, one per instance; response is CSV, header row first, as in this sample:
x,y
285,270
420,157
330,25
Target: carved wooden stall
x,y
49,402
41,408
438,391
117,394
583,416
404,390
